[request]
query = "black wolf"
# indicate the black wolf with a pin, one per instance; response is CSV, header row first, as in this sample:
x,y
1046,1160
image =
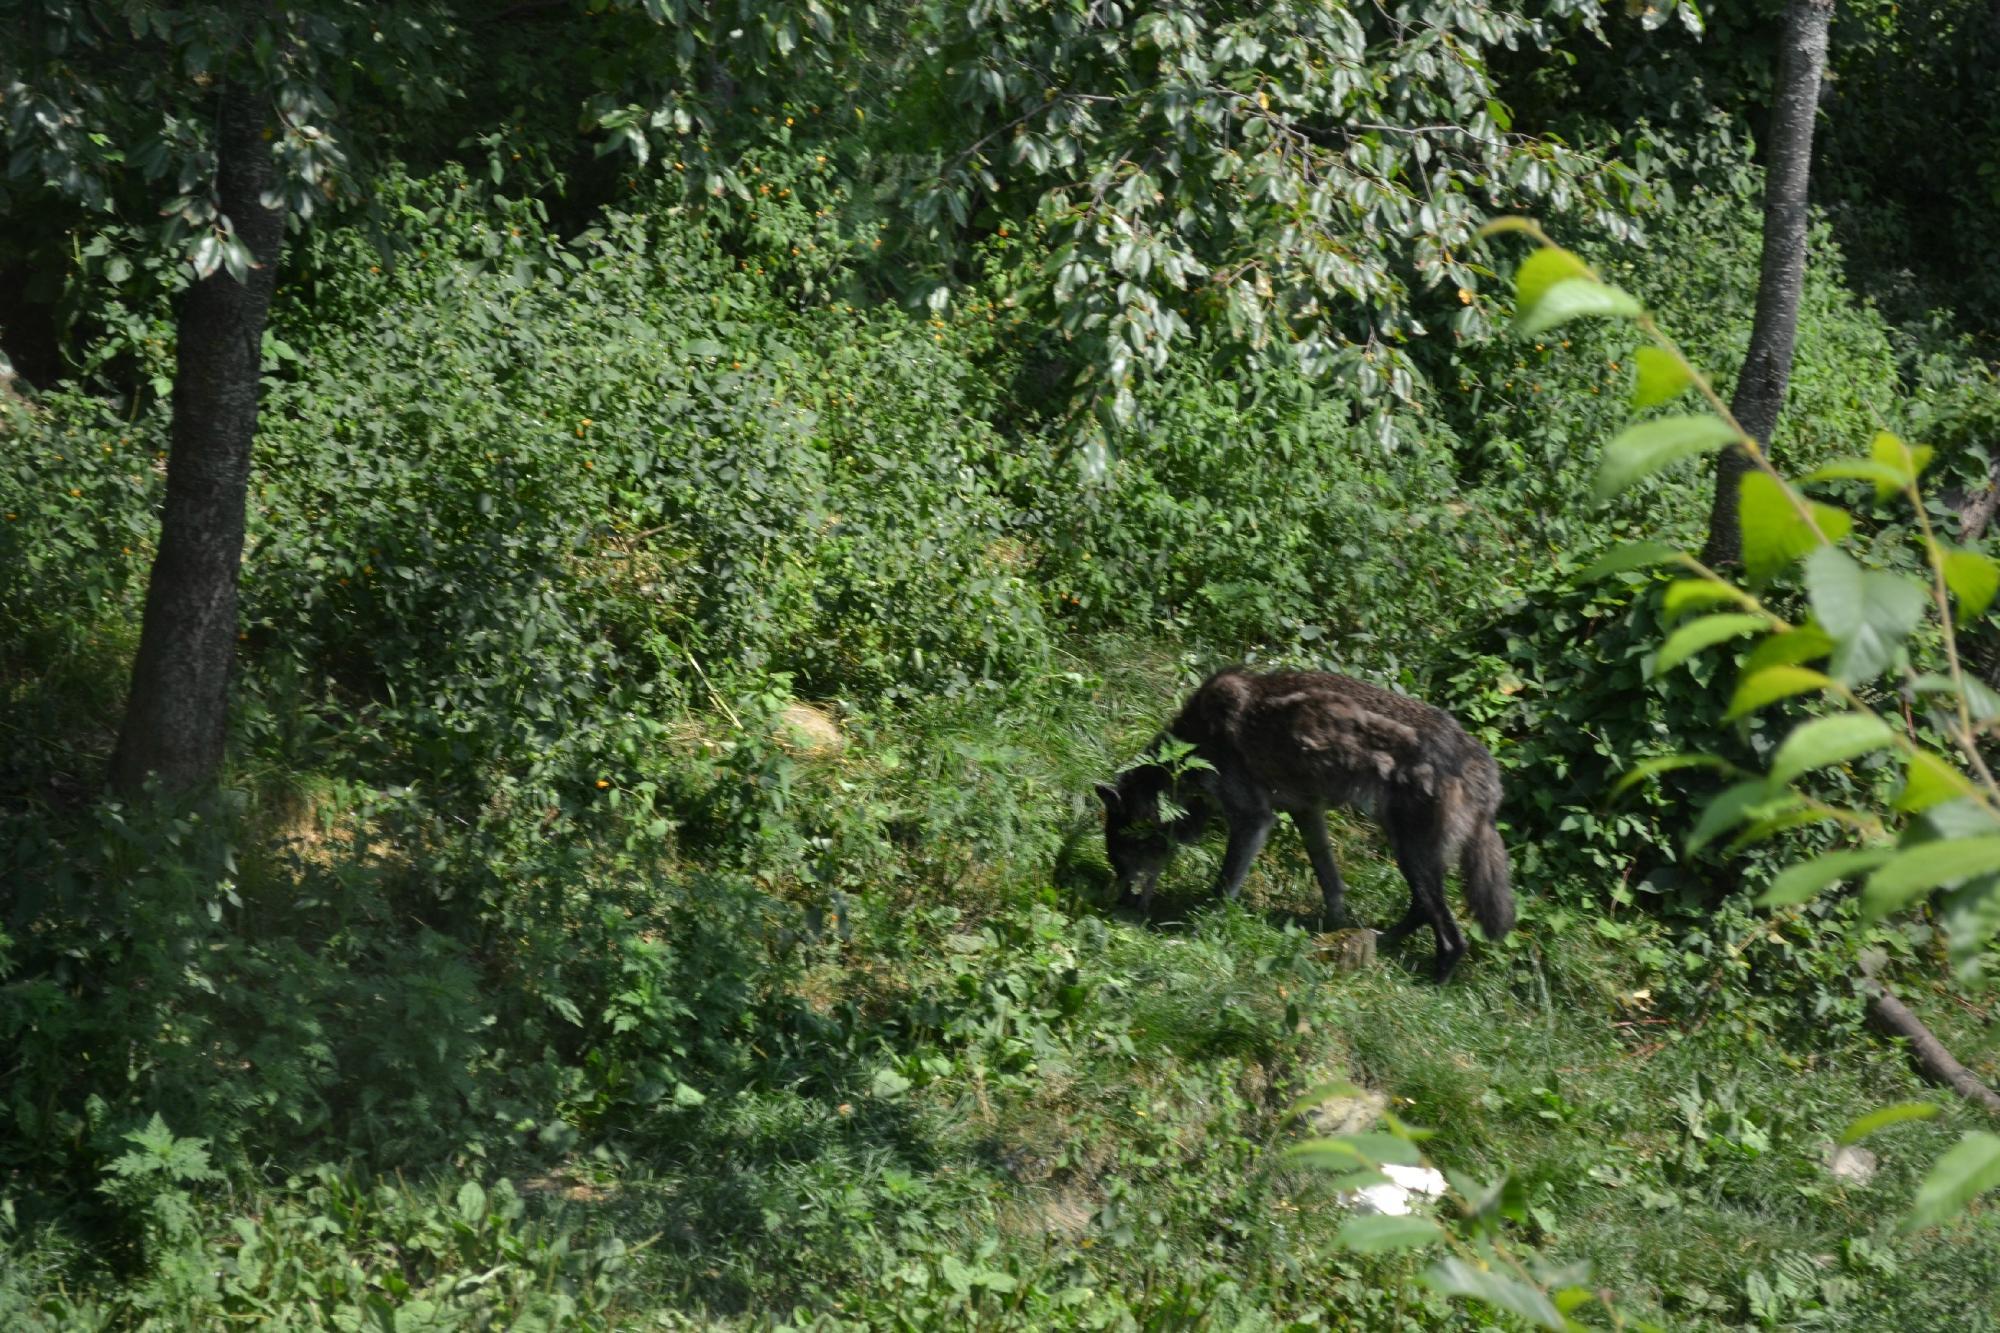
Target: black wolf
x,y
1247,746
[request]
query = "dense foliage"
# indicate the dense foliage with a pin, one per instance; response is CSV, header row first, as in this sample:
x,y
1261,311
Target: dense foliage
x,y
652,881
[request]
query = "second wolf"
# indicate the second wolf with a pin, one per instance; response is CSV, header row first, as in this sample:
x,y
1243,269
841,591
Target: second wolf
x,y
1301,742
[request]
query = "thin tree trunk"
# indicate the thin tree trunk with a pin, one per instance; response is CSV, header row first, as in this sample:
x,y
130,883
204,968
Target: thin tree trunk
x,y
1760,390
1978,511
176,715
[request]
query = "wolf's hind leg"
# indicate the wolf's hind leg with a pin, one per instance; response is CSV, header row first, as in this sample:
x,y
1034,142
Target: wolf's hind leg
x,y
1411,920
1420,854
1246,838
1312,827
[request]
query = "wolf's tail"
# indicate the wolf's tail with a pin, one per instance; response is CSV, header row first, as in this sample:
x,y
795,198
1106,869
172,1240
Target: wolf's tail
x,y
1488,887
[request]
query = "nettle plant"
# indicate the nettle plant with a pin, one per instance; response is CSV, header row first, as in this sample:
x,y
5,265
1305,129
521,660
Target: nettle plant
x,y
1867,621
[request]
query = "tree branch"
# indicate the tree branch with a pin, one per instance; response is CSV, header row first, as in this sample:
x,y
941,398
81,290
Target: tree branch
x,y
1933,1059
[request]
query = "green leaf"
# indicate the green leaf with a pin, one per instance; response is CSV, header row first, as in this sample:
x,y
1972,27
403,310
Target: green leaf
x,y
1916,870
1970,1169
1318,1095
1930,781
1628,556
1905,461
1970,915
1829,740
1800,882
1980,699
1775,533
1706,632
1754,689
1960,819
1751,799
1973,578
1684,595
1460,1277
1501,226
1857,469
1374,1234
686,1095
888,1084
1541,271
1571,299
1801,643
1660,375
1801,815
1667,763
1349,1150
1867,612
471,1203
1887,1116
1641,450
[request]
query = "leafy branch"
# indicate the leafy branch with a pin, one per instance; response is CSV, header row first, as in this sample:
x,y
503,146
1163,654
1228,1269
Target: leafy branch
x,y
1941,831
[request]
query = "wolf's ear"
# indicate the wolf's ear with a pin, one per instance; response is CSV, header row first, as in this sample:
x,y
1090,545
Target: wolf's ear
x,y
1107,794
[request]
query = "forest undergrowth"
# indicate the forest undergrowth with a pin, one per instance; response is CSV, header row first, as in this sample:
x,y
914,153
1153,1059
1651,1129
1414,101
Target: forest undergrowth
x,y
655,885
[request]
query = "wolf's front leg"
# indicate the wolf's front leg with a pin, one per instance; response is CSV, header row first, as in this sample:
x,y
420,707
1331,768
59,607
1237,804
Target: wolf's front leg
x,y
1312,827
1247,832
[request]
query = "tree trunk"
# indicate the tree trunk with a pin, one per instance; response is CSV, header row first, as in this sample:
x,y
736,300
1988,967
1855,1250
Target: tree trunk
x,y
176,715
1760,390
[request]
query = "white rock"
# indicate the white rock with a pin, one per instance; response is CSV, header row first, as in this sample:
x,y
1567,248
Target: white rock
x,y
1854,1165
1392,1198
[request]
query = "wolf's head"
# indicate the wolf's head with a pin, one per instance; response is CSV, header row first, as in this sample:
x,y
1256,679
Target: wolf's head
x,y
1137,839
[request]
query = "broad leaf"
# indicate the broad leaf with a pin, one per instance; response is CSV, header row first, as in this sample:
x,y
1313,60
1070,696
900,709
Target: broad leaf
x,y
1659,375
1973,578
1752,799
1684,595
1460,1277
1980,699
1754,689
1704,633
1573,298
1641,450
1800,882
1970,1169
1867,612
1628,556
1916,870
1539,272
1875,1121
1667,763
1351,1150
1961,819
1801,815
1829,740
1906,461
1857,469
1801,643
1508,223
1372,1235
1970,915
1931,781
1317,1096
1775,533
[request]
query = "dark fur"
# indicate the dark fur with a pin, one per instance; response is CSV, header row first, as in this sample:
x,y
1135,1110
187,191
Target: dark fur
x,y
1301,742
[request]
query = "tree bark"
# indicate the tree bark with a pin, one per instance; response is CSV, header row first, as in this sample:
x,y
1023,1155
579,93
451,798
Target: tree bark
x,y
1760,390
176,715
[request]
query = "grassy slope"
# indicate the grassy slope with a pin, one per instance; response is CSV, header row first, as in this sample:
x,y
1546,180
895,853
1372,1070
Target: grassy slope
x,y
992,1102
1020,1110
1125,1171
